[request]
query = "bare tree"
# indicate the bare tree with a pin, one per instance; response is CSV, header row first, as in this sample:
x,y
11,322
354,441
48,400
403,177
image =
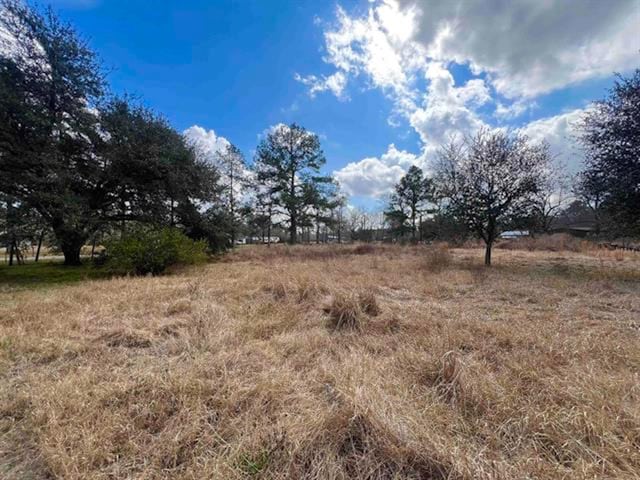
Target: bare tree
x,y
551,198
489,179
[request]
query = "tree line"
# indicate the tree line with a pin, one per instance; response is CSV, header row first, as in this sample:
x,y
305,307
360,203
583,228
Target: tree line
x,y
79,164
496,180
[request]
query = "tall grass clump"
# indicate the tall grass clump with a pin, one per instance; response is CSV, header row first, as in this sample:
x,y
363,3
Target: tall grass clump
x,y
438,258
144,251
348,311
345,312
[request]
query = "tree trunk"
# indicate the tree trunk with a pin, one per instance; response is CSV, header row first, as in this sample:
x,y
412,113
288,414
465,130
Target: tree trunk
x,y
487,254
71,251
413,225
11,253
40,238
269,230
293,230
19,257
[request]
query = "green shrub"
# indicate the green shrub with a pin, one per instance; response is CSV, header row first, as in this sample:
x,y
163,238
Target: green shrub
x,y
146,251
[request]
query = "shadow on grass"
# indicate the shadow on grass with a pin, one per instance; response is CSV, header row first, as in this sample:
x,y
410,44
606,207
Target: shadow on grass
x,y
48,273
558,269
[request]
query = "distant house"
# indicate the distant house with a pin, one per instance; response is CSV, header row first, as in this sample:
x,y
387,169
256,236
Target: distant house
x,y
514,234
577,230
253,240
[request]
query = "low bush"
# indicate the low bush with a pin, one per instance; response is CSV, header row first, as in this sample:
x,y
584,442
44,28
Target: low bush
x,y
146,251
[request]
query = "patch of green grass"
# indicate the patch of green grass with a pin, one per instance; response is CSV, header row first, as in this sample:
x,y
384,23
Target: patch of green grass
x,y
45,273
253,464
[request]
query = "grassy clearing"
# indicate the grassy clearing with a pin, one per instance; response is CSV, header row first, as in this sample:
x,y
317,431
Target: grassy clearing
x,y
238,370
46,273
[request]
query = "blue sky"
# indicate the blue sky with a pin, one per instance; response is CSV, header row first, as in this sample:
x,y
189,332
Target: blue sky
x,y
381,82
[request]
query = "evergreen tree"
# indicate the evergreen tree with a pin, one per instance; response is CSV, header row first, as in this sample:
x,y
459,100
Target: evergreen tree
x,y
411,198
289,159
612,146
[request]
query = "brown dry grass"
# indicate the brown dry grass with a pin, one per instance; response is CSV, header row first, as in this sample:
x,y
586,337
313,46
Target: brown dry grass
x,y
233,370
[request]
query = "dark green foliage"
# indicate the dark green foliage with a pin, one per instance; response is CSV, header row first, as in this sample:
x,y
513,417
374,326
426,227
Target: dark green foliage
x,y
411,198
610,135
47,84
145,251
148,172
79,161
288,163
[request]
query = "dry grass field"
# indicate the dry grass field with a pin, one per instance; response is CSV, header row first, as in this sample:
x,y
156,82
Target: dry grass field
x,y
329,363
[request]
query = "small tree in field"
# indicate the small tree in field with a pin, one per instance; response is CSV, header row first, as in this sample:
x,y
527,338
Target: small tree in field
x,y
290,159
489,179
411,196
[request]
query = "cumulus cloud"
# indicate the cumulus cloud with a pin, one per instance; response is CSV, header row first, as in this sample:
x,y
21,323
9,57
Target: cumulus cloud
x,y
516,51
207,142
560,132
447,110
334,83
530,47
523,48
375,177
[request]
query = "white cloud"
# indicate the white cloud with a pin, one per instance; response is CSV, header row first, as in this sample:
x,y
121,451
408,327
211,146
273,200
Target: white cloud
x,y
375,177
209,146
530,47
513,110
334,83
377,46
524,47
207,142
560,132
516,50
447,110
